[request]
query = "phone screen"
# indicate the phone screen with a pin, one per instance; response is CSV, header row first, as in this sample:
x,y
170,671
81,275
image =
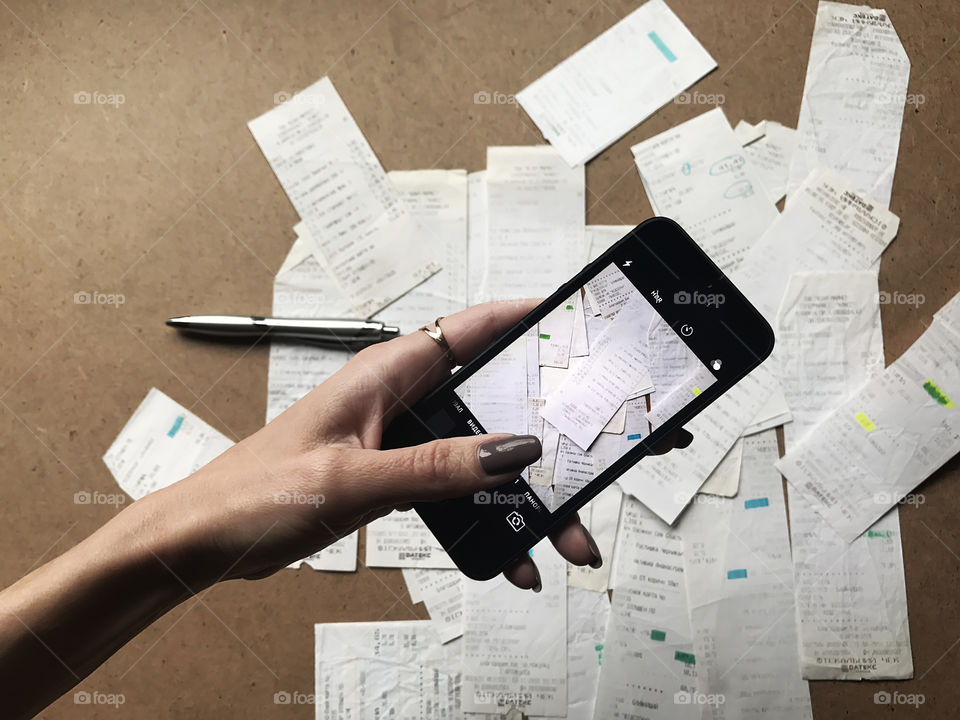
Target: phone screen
x,y
598,374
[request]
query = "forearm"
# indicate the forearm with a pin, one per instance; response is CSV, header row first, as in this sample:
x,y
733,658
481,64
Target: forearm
x,y
64,619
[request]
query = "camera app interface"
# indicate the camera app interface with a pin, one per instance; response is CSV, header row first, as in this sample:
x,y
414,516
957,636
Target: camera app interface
x,y
598,374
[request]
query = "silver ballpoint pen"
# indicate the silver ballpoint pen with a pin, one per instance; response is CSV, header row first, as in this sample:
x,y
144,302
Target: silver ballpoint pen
x,y
331,333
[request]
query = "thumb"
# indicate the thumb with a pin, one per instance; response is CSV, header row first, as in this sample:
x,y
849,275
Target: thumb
x,y
450,468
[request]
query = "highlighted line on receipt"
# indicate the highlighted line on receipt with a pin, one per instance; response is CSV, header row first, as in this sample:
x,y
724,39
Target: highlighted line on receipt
x,y
865,422
661,46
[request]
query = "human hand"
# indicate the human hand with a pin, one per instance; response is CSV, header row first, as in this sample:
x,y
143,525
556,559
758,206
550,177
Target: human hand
x,y
316,473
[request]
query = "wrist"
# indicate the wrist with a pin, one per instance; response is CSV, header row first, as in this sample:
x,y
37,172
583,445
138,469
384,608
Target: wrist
x,y
162,541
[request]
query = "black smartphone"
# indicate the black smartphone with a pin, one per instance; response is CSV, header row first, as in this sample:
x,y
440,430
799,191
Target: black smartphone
x,y
639,342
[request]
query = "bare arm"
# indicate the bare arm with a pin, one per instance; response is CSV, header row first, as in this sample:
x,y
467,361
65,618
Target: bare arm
x,y
225,521
61,621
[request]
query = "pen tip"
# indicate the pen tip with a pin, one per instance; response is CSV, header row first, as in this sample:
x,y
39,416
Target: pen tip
x,y
175,321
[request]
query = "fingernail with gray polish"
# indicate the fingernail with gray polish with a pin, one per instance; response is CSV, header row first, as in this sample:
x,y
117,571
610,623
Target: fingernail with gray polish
x,y
509,454
538,586
597,561
686,437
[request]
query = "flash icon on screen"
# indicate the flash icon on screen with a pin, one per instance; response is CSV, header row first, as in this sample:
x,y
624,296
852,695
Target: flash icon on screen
x,y
715,364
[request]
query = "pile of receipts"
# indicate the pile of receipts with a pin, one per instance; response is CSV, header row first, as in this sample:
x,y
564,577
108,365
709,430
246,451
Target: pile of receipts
x,y
720,607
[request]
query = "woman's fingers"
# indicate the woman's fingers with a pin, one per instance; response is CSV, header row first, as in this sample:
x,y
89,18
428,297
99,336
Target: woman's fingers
x,y
572,541
524,574
679,438
438,470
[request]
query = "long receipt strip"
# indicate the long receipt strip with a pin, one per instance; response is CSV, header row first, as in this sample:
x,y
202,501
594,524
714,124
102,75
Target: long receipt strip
x,y
881,443
368,671
535,223
648,661
829,343
853,99
587,614
164,442
620,78
359,228
851,598
515,649
739,581
476,233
